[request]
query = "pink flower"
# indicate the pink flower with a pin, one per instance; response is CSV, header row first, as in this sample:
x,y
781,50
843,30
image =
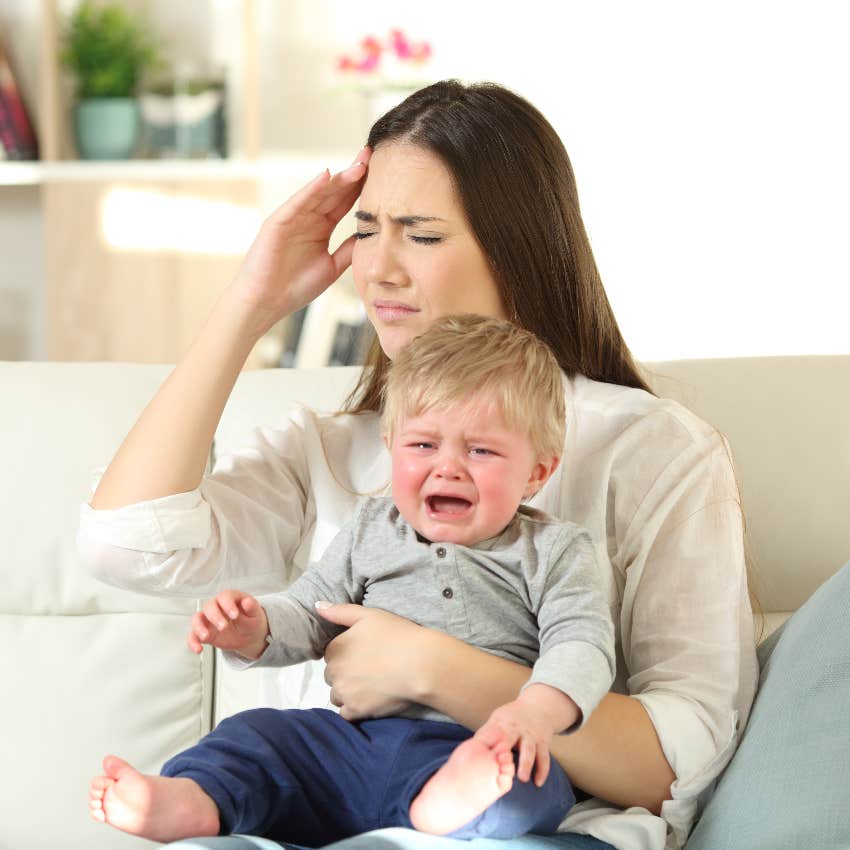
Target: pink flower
x,y
371,50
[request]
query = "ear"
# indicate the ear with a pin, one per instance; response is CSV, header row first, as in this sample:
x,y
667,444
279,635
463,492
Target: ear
x,y
542,472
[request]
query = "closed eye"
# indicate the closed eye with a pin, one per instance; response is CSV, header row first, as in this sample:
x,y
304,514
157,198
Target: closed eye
x,y
481,452
419,240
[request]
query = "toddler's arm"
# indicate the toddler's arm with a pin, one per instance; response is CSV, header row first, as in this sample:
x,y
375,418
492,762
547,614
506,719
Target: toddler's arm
x,y
528,723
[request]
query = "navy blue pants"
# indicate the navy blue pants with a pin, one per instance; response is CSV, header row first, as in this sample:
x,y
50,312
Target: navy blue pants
x,y
310,778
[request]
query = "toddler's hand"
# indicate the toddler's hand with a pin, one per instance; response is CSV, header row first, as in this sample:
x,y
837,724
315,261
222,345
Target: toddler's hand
x,y
232,620
528,723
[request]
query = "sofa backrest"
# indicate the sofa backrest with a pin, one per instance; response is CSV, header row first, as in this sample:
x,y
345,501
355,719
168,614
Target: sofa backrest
x,y
87,669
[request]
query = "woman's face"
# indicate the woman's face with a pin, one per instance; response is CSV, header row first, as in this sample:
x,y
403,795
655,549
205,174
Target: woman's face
x,y
416,258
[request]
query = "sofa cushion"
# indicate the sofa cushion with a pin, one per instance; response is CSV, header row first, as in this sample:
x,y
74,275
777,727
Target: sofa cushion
x,y
75,689
787,784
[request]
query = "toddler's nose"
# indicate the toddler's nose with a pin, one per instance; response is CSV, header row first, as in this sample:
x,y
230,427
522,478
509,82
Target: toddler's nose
x,y
450,467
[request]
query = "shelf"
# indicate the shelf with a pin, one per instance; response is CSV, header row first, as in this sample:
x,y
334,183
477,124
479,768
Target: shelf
x,y
21,173
295,165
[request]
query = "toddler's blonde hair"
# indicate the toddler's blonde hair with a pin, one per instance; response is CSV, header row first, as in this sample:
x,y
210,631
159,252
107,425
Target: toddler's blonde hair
x,y
465,358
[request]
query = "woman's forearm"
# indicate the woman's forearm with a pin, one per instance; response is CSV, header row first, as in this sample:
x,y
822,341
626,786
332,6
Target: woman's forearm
x,y
616,755
167,449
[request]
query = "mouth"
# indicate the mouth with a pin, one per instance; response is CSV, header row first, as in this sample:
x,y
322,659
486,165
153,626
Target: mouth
x,y
447,508
393,311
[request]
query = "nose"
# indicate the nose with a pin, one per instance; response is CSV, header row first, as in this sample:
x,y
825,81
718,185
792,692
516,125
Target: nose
x,y
450,466
385,266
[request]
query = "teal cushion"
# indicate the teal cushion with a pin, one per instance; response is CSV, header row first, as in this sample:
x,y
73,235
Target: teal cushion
x,y
788,785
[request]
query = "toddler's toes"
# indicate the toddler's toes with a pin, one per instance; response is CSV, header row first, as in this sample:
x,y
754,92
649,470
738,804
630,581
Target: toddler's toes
x,y
505,777
99,785
115,767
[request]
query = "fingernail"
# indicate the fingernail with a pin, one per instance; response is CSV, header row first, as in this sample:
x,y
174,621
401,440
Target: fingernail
x,y
321,605
233,614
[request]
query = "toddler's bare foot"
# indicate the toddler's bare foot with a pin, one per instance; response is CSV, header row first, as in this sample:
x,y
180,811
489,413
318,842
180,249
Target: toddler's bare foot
x,y
473,778
160,808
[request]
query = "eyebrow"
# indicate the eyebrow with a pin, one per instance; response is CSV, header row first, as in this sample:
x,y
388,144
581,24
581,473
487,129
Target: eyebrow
x,y
407,220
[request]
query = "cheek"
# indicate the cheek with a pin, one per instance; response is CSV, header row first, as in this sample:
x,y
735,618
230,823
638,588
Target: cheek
x,y
501,490
358,268
406,479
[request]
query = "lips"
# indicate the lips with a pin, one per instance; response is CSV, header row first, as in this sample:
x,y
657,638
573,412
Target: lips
x,y
393,311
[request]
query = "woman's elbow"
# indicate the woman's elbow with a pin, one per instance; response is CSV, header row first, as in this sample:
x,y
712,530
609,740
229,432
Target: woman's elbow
x,y
113,565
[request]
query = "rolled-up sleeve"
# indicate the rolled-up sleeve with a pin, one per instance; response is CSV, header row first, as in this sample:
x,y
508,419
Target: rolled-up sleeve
x,y
241,527
685,620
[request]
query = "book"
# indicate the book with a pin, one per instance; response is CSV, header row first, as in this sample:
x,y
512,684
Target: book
x,y
16,132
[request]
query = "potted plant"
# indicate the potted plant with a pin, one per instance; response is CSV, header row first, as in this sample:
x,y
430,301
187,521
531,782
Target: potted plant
x,y
108,51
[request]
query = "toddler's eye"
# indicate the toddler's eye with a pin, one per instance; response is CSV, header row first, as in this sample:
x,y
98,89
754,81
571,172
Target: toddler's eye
x,y
480,451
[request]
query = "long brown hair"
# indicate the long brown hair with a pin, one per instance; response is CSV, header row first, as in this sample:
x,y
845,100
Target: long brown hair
x,y
515,183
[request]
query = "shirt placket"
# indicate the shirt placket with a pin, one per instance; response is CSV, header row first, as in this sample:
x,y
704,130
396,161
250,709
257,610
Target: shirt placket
x,y
450,589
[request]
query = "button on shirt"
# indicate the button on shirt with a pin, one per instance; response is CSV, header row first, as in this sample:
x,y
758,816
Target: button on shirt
x,y
532,590
650,481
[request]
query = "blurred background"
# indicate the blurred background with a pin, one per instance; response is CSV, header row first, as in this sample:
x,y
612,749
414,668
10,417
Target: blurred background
x,y
710,142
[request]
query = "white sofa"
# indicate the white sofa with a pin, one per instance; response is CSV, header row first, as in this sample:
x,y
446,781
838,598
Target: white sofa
x,y
89,669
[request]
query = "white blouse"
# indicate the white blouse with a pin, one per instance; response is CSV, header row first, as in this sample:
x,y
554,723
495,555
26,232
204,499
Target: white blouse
x,y
652,483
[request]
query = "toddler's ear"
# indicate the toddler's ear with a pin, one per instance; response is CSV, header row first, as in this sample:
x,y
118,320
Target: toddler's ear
x,y
542,472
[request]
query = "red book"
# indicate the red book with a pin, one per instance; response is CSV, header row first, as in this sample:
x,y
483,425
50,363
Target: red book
x,y
16,132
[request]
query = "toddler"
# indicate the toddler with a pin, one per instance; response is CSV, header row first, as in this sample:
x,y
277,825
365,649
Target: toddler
x,y
474,420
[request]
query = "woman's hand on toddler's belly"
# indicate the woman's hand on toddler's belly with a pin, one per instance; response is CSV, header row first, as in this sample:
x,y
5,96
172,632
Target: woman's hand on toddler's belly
x,y
372,666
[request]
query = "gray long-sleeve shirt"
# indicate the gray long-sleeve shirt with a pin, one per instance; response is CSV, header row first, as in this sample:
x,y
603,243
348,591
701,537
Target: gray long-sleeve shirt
x,y
530,595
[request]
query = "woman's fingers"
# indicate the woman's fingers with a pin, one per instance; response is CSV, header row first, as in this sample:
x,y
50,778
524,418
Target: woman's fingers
x,y
343,255
342,191
326,193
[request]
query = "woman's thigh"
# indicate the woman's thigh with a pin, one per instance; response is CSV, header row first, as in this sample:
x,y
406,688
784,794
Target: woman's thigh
x,y
403,839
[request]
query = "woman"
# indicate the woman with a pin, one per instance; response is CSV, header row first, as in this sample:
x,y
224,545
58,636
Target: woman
x,y
468,205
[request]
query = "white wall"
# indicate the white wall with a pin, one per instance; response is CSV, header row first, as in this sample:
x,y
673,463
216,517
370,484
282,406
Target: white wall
x,y
710,142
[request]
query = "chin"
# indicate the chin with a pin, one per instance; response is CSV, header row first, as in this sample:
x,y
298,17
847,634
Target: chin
x,y
392,342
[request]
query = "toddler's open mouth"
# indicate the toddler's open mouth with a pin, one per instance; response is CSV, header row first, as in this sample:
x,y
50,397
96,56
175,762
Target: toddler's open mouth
x,y
442,506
